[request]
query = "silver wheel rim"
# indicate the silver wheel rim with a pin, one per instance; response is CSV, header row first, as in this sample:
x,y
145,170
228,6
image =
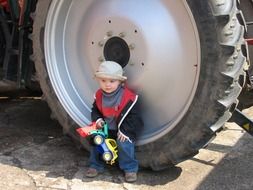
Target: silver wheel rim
x,y
164,60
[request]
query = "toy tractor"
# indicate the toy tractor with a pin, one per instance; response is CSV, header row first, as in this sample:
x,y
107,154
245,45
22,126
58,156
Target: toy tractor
x,y
106,147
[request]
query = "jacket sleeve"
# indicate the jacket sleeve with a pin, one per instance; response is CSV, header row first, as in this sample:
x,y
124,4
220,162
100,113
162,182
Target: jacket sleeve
x,y
132,123
95,113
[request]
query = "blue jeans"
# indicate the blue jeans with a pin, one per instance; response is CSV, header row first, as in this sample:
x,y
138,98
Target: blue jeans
x,y
126,158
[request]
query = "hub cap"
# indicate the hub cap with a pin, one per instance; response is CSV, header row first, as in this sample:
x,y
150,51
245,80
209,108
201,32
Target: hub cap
x,y
107,156
98,139
155,41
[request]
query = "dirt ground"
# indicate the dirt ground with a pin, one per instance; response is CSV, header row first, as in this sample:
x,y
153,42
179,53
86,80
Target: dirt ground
x,y
35,155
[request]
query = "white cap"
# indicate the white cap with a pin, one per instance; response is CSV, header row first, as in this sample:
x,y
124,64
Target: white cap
x,y
111,70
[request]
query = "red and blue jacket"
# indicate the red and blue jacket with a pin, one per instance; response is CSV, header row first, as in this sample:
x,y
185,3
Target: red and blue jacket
x,y
127,113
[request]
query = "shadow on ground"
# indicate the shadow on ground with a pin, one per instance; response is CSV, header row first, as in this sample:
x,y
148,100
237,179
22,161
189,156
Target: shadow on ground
x,y
235,170
33,142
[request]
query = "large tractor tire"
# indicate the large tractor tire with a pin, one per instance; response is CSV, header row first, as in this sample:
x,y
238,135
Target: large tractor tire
x,y
185,59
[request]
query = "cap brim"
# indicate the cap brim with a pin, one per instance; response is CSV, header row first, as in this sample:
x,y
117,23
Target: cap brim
x,y
104,75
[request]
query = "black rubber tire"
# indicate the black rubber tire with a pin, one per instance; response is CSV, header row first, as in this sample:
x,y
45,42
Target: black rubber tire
x,y
49,96
220,82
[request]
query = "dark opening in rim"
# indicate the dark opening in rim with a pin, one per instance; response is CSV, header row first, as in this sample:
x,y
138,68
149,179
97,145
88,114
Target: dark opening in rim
x,y
116,49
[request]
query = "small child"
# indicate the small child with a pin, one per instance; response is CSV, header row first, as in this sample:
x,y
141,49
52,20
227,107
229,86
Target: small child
x,y
116,105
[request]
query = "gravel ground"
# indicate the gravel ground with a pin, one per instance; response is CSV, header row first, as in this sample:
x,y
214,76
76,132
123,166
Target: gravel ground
x,y
35,155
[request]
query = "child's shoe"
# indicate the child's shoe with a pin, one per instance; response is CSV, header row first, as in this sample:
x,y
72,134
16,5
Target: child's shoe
x,y
91,172
130,176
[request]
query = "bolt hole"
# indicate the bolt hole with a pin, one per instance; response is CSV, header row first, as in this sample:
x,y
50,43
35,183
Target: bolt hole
x,y
92,43
142,64
110,21
135,31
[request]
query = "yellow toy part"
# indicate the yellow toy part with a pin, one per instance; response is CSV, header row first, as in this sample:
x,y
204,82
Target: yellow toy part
x,y
112,146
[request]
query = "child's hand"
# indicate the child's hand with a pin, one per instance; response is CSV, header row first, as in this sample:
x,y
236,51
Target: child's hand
x,y
100,124
121,137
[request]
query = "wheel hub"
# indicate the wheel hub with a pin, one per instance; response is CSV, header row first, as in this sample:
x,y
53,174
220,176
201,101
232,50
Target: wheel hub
x,y
116,49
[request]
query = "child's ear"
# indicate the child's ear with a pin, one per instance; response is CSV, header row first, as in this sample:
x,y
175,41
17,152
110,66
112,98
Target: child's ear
x,y
122,84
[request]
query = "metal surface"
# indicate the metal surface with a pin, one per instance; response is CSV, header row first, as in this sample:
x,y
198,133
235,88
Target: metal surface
x,y
10,32
243,121
250,41
16,26
164,59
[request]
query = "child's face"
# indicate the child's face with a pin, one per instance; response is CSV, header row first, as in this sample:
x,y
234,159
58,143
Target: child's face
x,y
108,85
